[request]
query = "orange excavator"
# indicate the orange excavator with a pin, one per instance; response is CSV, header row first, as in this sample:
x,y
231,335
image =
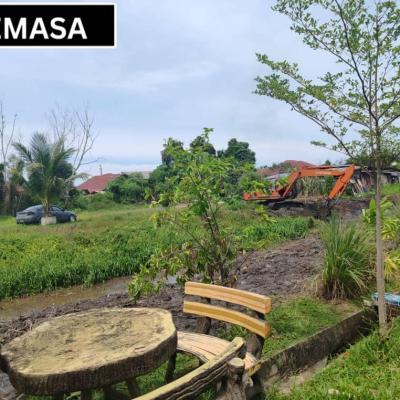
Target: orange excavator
x,y
289,191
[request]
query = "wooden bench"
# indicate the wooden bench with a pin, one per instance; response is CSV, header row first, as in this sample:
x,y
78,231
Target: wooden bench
x,y
206,347
226,367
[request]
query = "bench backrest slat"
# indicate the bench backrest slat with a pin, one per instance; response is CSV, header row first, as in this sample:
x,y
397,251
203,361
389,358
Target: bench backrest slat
x,y
253,301
252,324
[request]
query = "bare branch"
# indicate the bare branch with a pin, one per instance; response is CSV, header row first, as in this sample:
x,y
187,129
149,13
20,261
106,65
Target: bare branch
x,y
75,127
6,138
355,65
325,127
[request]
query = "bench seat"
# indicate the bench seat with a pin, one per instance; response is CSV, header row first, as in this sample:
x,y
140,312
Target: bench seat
x,y
206,347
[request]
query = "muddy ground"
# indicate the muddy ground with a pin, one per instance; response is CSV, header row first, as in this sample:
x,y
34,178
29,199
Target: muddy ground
x,y
280,271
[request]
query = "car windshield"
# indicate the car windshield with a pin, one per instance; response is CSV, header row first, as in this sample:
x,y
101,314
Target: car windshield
x,y
34,208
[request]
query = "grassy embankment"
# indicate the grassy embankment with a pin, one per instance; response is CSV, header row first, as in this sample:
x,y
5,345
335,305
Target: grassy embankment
x,y
392,189
368,370
106,244
388,190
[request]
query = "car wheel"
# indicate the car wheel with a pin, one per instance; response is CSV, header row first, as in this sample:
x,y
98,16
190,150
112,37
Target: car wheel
x,y
72,218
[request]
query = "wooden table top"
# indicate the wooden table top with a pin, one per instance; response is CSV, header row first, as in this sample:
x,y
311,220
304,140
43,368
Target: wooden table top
x,y
89,350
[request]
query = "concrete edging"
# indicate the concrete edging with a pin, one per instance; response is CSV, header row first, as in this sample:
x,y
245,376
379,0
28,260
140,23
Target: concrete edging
x,y
315,348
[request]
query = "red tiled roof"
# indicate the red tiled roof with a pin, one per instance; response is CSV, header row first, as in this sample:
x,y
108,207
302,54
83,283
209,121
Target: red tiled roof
x,y
97,183
295,164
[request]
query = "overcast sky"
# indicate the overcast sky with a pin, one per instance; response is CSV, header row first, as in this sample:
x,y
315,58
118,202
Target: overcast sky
x,y
179,66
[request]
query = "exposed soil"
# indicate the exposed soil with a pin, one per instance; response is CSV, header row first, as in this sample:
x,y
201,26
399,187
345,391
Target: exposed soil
x,y
350,208
279,271
315,207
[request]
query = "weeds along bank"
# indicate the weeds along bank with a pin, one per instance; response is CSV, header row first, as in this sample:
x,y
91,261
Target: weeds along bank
x,y
109,243
368,370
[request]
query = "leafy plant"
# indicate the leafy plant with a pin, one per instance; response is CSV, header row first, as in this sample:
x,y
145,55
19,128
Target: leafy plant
x,y
202,183
316,186
348,260
369,214
392,264
128,189
390,234
210,248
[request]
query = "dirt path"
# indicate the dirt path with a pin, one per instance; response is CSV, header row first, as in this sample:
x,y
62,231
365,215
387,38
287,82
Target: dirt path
x,y
280,271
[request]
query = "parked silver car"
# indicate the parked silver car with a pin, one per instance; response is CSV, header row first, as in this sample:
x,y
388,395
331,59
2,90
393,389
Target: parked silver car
x,y
33,215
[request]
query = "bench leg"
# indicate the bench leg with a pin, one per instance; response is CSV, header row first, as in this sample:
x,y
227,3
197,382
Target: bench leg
x,y
233,388
169,376
133,387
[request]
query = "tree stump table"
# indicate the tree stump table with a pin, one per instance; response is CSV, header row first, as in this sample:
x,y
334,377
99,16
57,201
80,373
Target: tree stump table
x,y
90,350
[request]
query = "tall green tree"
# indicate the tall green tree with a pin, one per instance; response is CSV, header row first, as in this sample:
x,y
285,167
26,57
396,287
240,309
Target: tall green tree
x,y
128,189
359,102
48,168
210,248
240,151
390,151
202,143
170,146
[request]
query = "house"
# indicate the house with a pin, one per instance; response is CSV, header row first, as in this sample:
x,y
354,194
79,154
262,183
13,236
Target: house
x,y
97,184
283,168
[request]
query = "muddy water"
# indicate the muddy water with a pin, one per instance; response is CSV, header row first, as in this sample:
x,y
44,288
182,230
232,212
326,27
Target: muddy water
x,y
14,308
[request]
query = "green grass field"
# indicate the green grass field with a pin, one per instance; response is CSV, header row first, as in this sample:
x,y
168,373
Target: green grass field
x,y
388,190
106,244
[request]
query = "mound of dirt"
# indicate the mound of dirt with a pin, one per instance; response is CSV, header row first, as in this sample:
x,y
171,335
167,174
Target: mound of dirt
x,y
344,208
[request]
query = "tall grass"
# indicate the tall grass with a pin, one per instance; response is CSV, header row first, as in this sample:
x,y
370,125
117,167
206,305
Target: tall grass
x,y
348,259
106,244
316,186
391,189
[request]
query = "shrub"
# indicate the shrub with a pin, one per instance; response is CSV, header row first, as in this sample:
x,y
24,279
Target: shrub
x,y
390,233
348,260
128,189
316,186
93,202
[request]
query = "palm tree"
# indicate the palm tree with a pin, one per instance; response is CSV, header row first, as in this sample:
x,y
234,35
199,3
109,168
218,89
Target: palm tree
x,y
47,167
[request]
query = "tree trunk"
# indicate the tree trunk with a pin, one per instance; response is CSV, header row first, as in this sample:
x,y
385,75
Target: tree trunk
x,y
380,276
